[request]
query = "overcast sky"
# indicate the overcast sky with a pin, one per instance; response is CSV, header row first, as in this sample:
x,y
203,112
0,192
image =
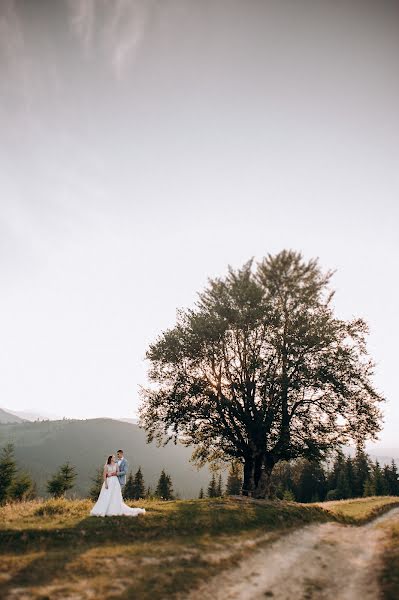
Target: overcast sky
x,y
146,145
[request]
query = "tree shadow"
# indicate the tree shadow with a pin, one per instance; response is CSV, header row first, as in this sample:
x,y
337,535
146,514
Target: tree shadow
x,y
58,548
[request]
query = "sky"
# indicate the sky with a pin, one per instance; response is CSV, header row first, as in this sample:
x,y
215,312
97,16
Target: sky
x,y
147,145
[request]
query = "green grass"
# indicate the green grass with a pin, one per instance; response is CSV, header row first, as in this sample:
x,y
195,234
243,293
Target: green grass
x,y
53,549
389,578
359,510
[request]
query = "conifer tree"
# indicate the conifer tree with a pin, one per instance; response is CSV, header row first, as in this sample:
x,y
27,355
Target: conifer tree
x,y
62,481
361,472
212,487
219,487
349,475
201,494
390,475
234,480
379,483
311,484
164,487
128,492
343,489
138,485
369,489
8,469
23,488
288,496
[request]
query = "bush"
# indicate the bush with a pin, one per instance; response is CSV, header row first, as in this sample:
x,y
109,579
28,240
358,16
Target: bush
x,y
332,495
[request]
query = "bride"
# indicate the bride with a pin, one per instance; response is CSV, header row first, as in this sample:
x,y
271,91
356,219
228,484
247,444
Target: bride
x,y
110,502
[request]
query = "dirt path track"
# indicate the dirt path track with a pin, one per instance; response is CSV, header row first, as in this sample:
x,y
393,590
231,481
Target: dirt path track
x,y
319,562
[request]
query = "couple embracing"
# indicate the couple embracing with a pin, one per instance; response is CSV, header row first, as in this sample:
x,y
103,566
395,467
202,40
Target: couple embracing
x,y
110,502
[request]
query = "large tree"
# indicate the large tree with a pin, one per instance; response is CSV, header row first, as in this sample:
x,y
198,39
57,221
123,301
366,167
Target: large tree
x,y
261,370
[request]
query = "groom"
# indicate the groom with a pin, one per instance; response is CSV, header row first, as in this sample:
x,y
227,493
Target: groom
x,y
123,468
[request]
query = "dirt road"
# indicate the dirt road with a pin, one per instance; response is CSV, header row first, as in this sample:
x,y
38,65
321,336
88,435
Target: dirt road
x,y
319,562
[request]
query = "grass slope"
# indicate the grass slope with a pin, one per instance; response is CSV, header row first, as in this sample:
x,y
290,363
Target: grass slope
x,y
54,550
41,447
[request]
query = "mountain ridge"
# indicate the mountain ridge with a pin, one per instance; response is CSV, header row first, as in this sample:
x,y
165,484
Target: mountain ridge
x,y
42,446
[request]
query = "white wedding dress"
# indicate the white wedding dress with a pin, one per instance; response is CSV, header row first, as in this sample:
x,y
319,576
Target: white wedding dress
x,y
110,502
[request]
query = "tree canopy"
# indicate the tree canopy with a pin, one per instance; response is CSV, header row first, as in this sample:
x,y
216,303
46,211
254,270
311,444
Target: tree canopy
x,y
261,370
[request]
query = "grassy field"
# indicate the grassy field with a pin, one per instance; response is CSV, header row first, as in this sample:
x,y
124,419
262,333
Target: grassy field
x,y
53,549
389,579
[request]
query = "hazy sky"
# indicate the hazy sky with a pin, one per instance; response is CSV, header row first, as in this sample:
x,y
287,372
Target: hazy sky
x,y
146,145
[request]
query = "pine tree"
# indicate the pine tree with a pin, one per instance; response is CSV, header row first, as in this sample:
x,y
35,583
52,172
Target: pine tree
x,y
62,481
379,484
337,467
390,474
361,468
212,487
164,487
201,494
288,496
219,487
311,482
97,482
23,488
394,479
369,489
128,492
350,476
8,471
343,489
149,493
138,485
234,480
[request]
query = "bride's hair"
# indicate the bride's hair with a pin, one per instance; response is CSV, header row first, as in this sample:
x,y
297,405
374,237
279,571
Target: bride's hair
x,y
110,457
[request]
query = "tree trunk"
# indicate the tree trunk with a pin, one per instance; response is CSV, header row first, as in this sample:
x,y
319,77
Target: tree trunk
x,y
248,483
264,469
258,468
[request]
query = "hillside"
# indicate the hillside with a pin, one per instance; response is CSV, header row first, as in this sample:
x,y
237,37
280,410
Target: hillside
x,y
40,447
6,417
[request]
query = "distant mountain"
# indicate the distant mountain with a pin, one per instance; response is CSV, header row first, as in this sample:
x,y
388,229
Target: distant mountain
x,y
41,447
31,415
7,417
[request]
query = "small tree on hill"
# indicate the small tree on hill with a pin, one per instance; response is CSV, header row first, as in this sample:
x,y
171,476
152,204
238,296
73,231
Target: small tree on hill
x,y
234,480
201,494
23,488
164,487
97,483
62,481
128,492
138,485
8,469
